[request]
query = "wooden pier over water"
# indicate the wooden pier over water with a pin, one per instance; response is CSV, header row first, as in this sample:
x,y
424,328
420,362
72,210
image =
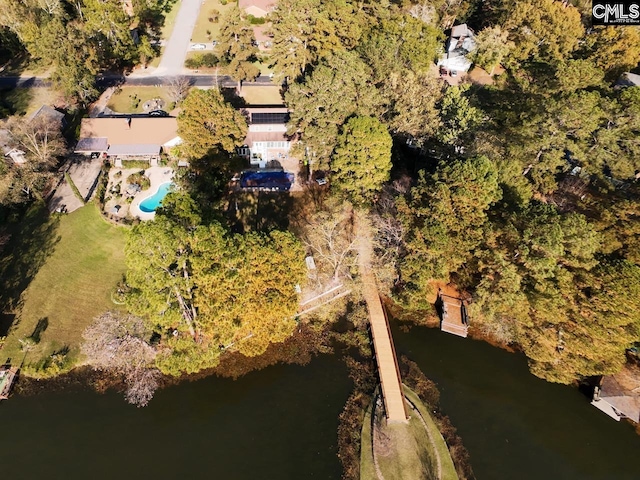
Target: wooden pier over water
x,y
385,352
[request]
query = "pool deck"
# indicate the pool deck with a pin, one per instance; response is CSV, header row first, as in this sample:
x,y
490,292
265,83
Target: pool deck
x,y
157,176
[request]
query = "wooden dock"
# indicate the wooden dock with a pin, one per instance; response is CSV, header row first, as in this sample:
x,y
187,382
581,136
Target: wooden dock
x,y
7,377
454,315
386,359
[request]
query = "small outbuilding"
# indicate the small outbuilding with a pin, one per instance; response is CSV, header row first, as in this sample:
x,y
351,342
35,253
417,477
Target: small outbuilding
x,y
461,42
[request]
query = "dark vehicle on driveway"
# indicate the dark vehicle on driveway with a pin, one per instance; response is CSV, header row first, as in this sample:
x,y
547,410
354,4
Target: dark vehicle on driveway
x,y
158,113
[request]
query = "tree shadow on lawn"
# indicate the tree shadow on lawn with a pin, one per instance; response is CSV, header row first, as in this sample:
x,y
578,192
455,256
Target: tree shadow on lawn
x,y
32,241
39,329
259,211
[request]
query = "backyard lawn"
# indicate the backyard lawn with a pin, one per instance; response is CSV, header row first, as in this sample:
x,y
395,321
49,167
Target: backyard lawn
x,y
204,30
81,259
131,99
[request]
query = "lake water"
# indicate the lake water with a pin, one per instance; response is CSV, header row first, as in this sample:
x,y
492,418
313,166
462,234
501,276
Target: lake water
x,y
281,422
514,425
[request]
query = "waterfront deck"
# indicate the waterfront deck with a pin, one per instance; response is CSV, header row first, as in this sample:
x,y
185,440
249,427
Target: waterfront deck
x,y
453,315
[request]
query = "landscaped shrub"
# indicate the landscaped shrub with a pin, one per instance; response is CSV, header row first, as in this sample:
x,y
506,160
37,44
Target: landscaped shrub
x,y
192,62
223,2
207,60
214,16
134,164
74,189
134,101
139,179
256,20
103,181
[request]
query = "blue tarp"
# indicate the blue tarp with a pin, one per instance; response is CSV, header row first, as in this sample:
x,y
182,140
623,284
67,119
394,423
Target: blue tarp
x,y
267,180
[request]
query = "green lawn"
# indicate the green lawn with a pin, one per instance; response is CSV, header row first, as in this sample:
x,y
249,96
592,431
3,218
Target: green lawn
x,y
439,446
81,260
406,450
262,95
367,467
170,20
123,101
25,101
203,25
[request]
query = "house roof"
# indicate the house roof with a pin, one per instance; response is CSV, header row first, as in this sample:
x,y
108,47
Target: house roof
x,y
135,149
49,113
265,137
461,30
131,131
267,115
622,391
257,8
93,144
628,79
260,32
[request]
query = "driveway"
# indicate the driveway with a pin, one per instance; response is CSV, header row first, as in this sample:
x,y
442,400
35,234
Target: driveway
x,y
64,199
84,174
175,51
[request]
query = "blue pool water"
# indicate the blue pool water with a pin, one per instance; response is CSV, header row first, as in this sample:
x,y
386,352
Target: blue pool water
x,y
149,204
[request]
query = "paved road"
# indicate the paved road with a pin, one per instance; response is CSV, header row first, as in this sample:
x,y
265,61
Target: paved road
x,y
24,82
104,81
175,51
196,80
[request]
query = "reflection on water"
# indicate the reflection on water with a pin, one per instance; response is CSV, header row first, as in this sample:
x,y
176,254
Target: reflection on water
x,y
515,425
278,423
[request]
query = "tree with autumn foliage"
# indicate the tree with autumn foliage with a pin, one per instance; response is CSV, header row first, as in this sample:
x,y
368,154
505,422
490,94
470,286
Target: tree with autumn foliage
x,y
208,124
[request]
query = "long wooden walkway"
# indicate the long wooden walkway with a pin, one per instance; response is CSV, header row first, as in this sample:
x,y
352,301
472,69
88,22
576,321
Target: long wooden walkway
x,y
386,359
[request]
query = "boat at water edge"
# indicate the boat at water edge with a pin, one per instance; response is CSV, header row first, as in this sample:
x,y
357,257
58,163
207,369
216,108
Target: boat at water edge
x,y
7,377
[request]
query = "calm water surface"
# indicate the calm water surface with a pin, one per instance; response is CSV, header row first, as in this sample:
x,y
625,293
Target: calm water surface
x,y
281,422
515,425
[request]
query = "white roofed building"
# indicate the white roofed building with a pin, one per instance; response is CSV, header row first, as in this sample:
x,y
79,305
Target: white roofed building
x,y
461,42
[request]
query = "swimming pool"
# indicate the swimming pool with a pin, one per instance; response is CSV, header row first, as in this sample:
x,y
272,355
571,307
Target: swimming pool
x,y
149,204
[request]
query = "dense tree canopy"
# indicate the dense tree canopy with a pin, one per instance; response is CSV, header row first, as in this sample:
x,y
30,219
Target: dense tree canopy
x,y
236,46
362,160
208,124
443,220
306,31
318,111
78,38
208,290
